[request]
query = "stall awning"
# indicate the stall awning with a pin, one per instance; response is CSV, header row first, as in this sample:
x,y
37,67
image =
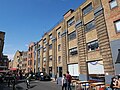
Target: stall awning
x,y
118,57
13,69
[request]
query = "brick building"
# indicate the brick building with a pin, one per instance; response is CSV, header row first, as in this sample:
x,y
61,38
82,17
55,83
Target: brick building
x,y
85,43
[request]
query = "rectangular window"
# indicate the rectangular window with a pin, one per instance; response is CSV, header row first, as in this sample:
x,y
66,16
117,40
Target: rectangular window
x,y
59,47
89,26
72,35
87,9
38,62
58,34
30,62
117,25
113,3
44,49
91,46
73,51
44,59
59,58
70,22
38,46
50,36
38,52
31,55
50,57
50,46
44,41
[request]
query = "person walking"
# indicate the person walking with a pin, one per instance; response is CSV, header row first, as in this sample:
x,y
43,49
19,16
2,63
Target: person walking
x,y
69,78
64,82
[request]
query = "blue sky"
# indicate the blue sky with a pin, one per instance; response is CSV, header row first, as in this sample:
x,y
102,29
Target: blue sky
x,y
25,21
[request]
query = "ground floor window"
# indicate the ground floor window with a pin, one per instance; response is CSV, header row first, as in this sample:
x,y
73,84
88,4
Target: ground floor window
x,y
73,69
96,70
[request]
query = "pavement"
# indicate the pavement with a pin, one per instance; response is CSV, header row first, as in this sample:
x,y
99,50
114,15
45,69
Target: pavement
x,y
34,85
4,86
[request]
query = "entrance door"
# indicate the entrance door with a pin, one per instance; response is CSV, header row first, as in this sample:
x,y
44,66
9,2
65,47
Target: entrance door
x,y
60,71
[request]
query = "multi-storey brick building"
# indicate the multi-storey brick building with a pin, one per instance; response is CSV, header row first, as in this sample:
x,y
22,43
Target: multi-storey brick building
x,y
112,18
81,42
85,43
24,61
17,60
30,60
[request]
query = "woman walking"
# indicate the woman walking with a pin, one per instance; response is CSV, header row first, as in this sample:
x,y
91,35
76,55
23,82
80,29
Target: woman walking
x,y
64,82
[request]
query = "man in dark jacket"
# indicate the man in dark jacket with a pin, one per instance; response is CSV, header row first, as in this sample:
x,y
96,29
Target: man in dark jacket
x,y
69,78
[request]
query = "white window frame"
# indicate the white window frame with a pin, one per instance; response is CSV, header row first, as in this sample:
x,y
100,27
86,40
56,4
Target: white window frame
x,y
113,4
117,25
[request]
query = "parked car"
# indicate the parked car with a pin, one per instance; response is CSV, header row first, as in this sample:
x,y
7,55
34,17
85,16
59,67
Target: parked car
x,y
43,76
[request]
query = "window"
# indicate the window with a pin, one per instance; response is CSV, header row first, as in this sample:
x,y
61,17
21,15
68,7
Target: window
x,y
44,41
38,62
44,49
87,9
70,22
90,25
91,46
113,3
30,62
38,52
50,57
73,51
34,62
44,59
50,36
72,35
50,46
117,25
38,46
59,58
58,34
59,47
31,55
29,49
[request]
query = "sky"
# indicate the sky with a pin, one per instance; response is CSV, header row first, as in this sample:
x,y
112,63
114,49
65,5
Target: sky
x,y
25,21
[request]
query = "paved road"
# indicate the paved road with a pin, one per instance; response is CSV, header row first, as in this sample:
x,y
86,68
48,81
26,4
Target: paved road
x,y
39,85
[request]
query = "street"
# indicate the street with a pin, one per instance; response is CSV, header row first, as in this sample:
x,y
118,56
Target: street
x,y
39,85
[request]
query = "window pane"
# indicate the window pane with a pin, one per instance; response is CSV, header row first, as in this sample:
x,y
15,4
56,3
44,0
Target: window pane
x,y
87,9
58,34
117,24
59,46
89,26
93,45
113,4
50,46
70,22
72,35
50,36
73,51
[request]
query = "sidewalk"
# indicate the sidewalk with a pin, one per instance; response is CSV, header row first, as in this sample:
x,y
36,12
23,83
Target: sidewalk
x,y
4,86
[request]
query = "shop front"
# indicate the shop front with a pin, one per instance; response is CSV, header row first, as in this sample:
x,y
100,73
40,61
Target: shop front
x,y
96,70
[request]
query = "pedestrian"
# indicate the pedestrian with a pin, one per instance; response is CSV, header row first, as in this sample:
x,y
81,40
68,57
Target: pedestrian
x,y
28,81
113,83
69,78
64,82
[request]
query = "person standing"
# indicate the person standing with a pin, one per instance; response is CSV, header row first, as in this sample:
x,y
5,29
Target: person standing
x,y
64,82
69,78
